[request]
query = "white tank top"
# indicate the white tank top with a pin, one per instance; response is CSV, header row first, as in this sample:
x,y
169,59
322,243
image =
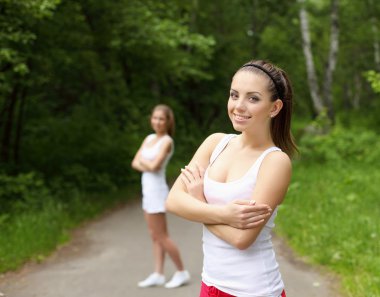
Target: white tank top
x,y
150,153
252,272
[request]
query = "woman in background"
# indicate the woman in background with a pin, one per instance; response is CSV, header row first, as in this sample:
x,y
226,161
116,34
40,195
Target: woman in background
x,y
151,159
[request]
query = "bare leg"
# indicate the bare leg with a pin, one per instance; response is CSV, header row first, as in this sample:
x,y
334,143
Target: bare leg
x,y
159,257
158,251
157,225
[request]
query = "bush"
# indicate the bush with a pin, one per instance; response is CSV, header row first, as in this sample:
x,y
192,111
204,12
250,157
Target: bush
x,y
341,145
22,192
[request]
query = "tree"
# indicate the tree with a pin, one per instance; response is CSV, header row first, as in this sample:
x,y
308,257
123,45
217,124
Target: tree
x,y
17,20
321,103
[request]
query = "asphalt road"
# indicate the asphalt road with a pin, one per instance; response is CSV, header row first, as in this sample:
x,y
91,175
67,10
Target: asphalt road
x,y
107,257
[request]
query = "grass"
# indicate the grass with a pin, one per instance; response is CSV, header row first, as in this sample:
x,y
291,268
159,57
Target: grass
x,y
35,234
332,216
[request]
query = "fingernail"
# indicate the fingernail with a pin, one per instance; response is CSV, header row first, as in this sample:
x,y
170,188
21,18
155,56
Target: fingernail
x,y
252,202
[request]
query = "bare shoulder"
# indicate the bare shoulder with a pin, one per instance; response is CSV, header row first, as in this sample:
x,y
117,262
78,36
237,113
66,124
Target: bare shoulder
x,y
168,139
147,138
277,161
214,138
279,157
203,153
211,141
167,143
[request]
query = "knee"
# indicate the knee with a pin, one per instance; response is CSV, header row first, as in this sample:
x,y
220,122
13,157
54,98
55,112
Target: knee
x,y
159,237
152,234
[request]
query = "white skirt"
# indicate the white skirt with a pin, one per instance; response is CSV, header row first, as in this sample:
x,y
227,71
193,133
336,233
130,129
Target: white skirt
x,y
155,191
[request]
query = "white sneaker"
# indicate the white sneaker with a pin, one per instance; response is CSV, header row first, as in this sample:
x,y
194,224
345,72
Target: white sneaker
x,y
155,279
179,278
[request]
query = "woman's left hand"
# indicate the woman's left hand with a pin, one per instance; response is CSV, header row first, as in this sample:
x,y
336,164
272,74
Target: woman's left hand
x,y
192,177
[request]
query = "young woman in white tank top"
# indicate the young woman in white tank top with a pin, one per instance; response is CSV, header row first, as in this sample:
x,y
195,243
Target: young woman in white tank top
x,y
234,183
151,159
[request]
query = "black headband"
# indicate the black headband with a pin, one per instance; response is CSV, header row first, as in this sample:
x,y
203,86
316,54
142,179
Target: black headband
x,y
267,73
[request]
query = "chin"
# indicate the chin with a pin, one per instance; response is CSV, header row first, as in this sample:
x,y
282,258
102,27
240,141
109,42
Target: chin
x,y
237,127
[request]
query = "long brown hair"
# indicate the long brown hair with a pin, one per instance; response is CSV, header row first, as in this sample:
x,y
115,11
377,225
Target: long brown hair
x,y
170,122
281,88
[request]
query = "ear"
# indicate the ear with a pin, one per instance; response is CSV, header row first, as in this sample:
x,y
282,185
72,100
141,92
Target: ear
x,y
276,107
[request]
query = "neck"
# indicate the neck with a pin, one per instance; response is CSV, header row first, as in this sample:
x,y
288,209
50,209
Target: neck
x,y
159,135
257,141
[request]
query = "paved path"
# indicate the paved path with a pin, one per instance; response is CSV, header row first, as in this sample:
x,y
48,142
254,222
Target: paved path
x,y
107,257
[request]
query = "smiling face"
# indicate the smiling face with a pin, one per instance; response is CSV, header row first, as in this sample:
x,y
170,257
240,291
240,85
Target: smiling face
x,y
158,122
249,105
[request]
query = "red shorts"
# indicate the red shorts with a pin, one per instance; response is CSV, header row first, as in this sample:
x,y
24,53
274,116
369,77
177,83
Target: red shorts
x,y
210,291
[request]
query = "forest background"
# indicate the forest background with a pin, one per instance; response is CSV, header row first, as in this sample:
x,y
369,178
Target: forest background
x,y
78,80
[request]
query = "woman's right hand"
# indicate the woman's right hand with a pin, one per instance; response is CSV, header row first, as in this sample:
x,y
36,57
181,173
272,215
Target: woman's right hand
x,y
192,177
245,214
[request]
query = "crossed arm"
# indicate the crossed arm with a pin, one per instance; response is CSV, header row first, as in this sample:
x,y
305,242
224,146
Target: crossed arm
x,y
142,165
238,222
271,186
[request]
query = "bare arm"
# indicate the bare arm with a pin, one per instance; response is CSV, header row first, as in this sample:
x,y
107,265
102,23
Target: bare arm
x,y
275,167
142,164
136,159
194,207
181,203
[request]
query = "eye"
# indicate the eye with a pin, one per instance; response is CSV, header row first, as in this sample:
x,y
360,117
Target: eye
x,y
254,99
234,95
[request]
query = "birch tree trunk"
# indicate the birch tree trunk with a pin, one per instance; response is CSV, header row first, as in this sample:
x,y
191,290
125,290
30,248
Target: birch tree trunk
x,y
331,62
375,32
376,48
311,74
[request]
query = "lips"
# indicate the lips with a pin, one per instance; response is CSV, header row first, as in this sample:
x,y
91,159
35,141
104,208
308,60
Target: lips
x,y
240,117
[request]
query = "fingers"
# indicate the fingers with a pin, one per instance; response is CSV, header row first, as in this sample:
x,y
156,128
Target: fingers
x,y
197,171
186,174
252,206
185,180
255,221
254,224
200,170
193,173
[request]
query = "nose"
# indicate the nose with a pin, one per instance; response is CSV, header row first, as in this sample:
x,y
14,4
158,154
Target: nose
x,y
240,104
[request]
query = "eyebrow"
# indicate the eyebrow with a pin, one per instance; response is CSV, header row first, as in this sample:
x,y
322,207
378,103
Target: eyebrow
x,y
249,93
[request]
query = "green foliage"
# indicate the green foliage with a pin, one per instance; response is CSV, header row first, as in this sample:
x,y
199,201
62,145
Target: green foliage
x,y
156,35
341,146
22,192
17,19
329,214
374,79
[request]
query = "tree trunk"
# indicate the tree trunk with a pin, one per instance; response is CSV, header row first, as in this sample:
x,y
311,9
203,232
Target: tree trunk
x,y
311,74
20,122
375,31
376,49
8,125
331,62
357,90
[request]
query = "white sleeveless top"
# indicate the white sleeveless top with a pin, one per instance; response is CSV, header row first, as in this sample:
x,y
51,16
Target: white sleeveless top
x,y
253,272
154,186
